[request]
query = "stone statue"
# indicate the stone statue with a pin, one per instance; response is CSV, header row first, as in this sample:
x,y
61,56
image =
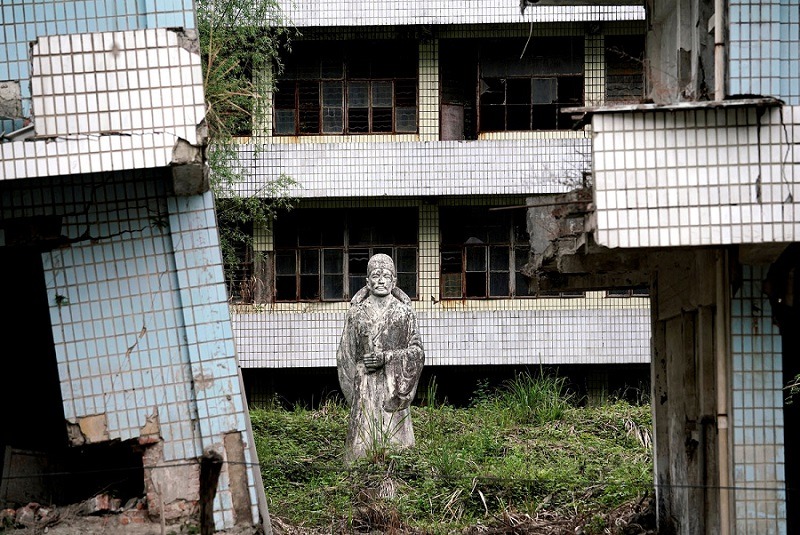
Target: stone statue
x,y
379,360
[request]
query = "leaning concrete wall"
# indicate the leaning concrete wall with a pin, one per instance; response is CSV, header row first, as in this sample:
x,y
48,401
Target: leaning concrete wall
x,y
142,330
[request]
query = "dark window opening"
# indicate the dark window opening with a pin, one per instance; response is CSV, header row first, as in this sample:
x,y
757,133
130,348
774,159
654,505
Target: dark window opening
x,y
487,87
240,276
624,56
639,291
482,253
322,255
348,88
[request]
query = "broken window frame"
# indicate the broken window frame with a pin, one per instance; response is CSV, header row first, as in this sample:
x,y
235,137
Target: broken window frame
x,y
624,72
361,236
348,88
527,93
481,267
512,112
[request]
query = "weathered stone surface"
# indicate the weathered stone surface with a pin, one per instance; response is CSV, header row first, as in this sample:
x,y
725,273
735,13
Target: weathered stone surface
x,y
380,358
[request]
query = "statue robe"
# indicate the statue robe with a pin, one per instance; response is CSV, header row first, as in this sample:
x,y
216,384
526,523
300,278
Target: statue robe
x,y
380,416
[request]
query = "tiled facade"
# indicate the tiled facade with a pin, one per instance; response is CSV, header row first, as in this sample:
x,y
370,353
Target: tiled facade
x,y
689,177
757,404
132,268
699,176
424,172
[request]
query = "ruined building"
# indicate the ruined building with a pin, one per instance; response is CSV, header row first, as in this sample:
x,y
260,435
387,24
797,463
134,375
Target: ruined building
x,y
695,189
120,373
419,129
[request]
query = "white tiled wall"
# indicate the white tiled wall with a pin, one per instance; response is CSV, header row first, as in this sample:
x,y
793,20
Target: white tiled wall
x,y
592,330
305,13
757,411
414,168
703,176
108,102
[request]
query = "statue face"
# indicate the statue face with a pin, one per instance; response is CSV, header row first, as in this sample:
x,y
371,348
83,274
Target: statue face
x,y
380,282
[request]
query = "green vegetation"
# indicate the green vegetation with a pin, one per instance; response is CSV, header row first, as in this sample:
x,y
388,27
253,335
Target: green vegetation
x,y
523,453
240,44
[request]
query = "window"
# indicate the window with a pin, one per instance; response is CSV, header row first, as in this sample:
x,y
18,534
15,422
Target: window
x,y
240,278
487,87
640,291
524,103
564,295
348,88
528,93
482,253
322,255
624,68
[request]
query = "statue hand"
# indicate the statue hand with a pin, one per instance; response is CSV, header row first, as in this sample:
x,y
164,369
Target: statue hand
x,y
374,361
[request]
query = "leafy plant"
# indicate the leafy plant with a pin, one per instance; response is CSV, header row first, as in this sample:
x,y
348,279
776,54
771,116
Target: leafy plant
x,y
240,42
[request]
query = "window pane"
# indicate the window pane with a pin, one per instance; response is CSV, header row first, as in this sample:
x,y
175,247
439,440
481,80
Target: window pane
x,y
476,284
451,285
285,263
285,288
331,224
498,258
382,120
360,233
309,121
308,95
382,94
356,283
405,93
476,259
498,285
518,117
406,259
544,117
544,90
518,91
405,119
332,121
309,287
332,94
309,261
357,264
284,122
333,287
451,261
408,283
358,120
641,291
284,95
493,118
357,95
493,91
332,261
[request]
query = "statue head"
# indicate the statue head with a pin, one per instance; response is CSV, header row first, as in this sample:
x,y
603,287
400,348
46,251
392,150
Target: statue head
x,y
381,275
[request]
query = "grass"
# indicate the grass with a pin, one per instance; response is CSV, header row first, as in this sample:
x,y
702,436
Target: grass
x,y
523,451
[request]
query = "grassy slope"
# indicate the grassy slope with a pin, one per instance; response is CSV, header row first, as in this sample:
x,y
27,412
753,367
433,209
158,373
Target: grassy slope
x,y
525,450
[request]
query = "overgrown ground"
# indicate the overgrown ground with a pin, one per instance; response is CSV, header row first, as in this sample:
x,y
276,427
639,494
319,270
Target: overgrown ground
x,y
526,458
